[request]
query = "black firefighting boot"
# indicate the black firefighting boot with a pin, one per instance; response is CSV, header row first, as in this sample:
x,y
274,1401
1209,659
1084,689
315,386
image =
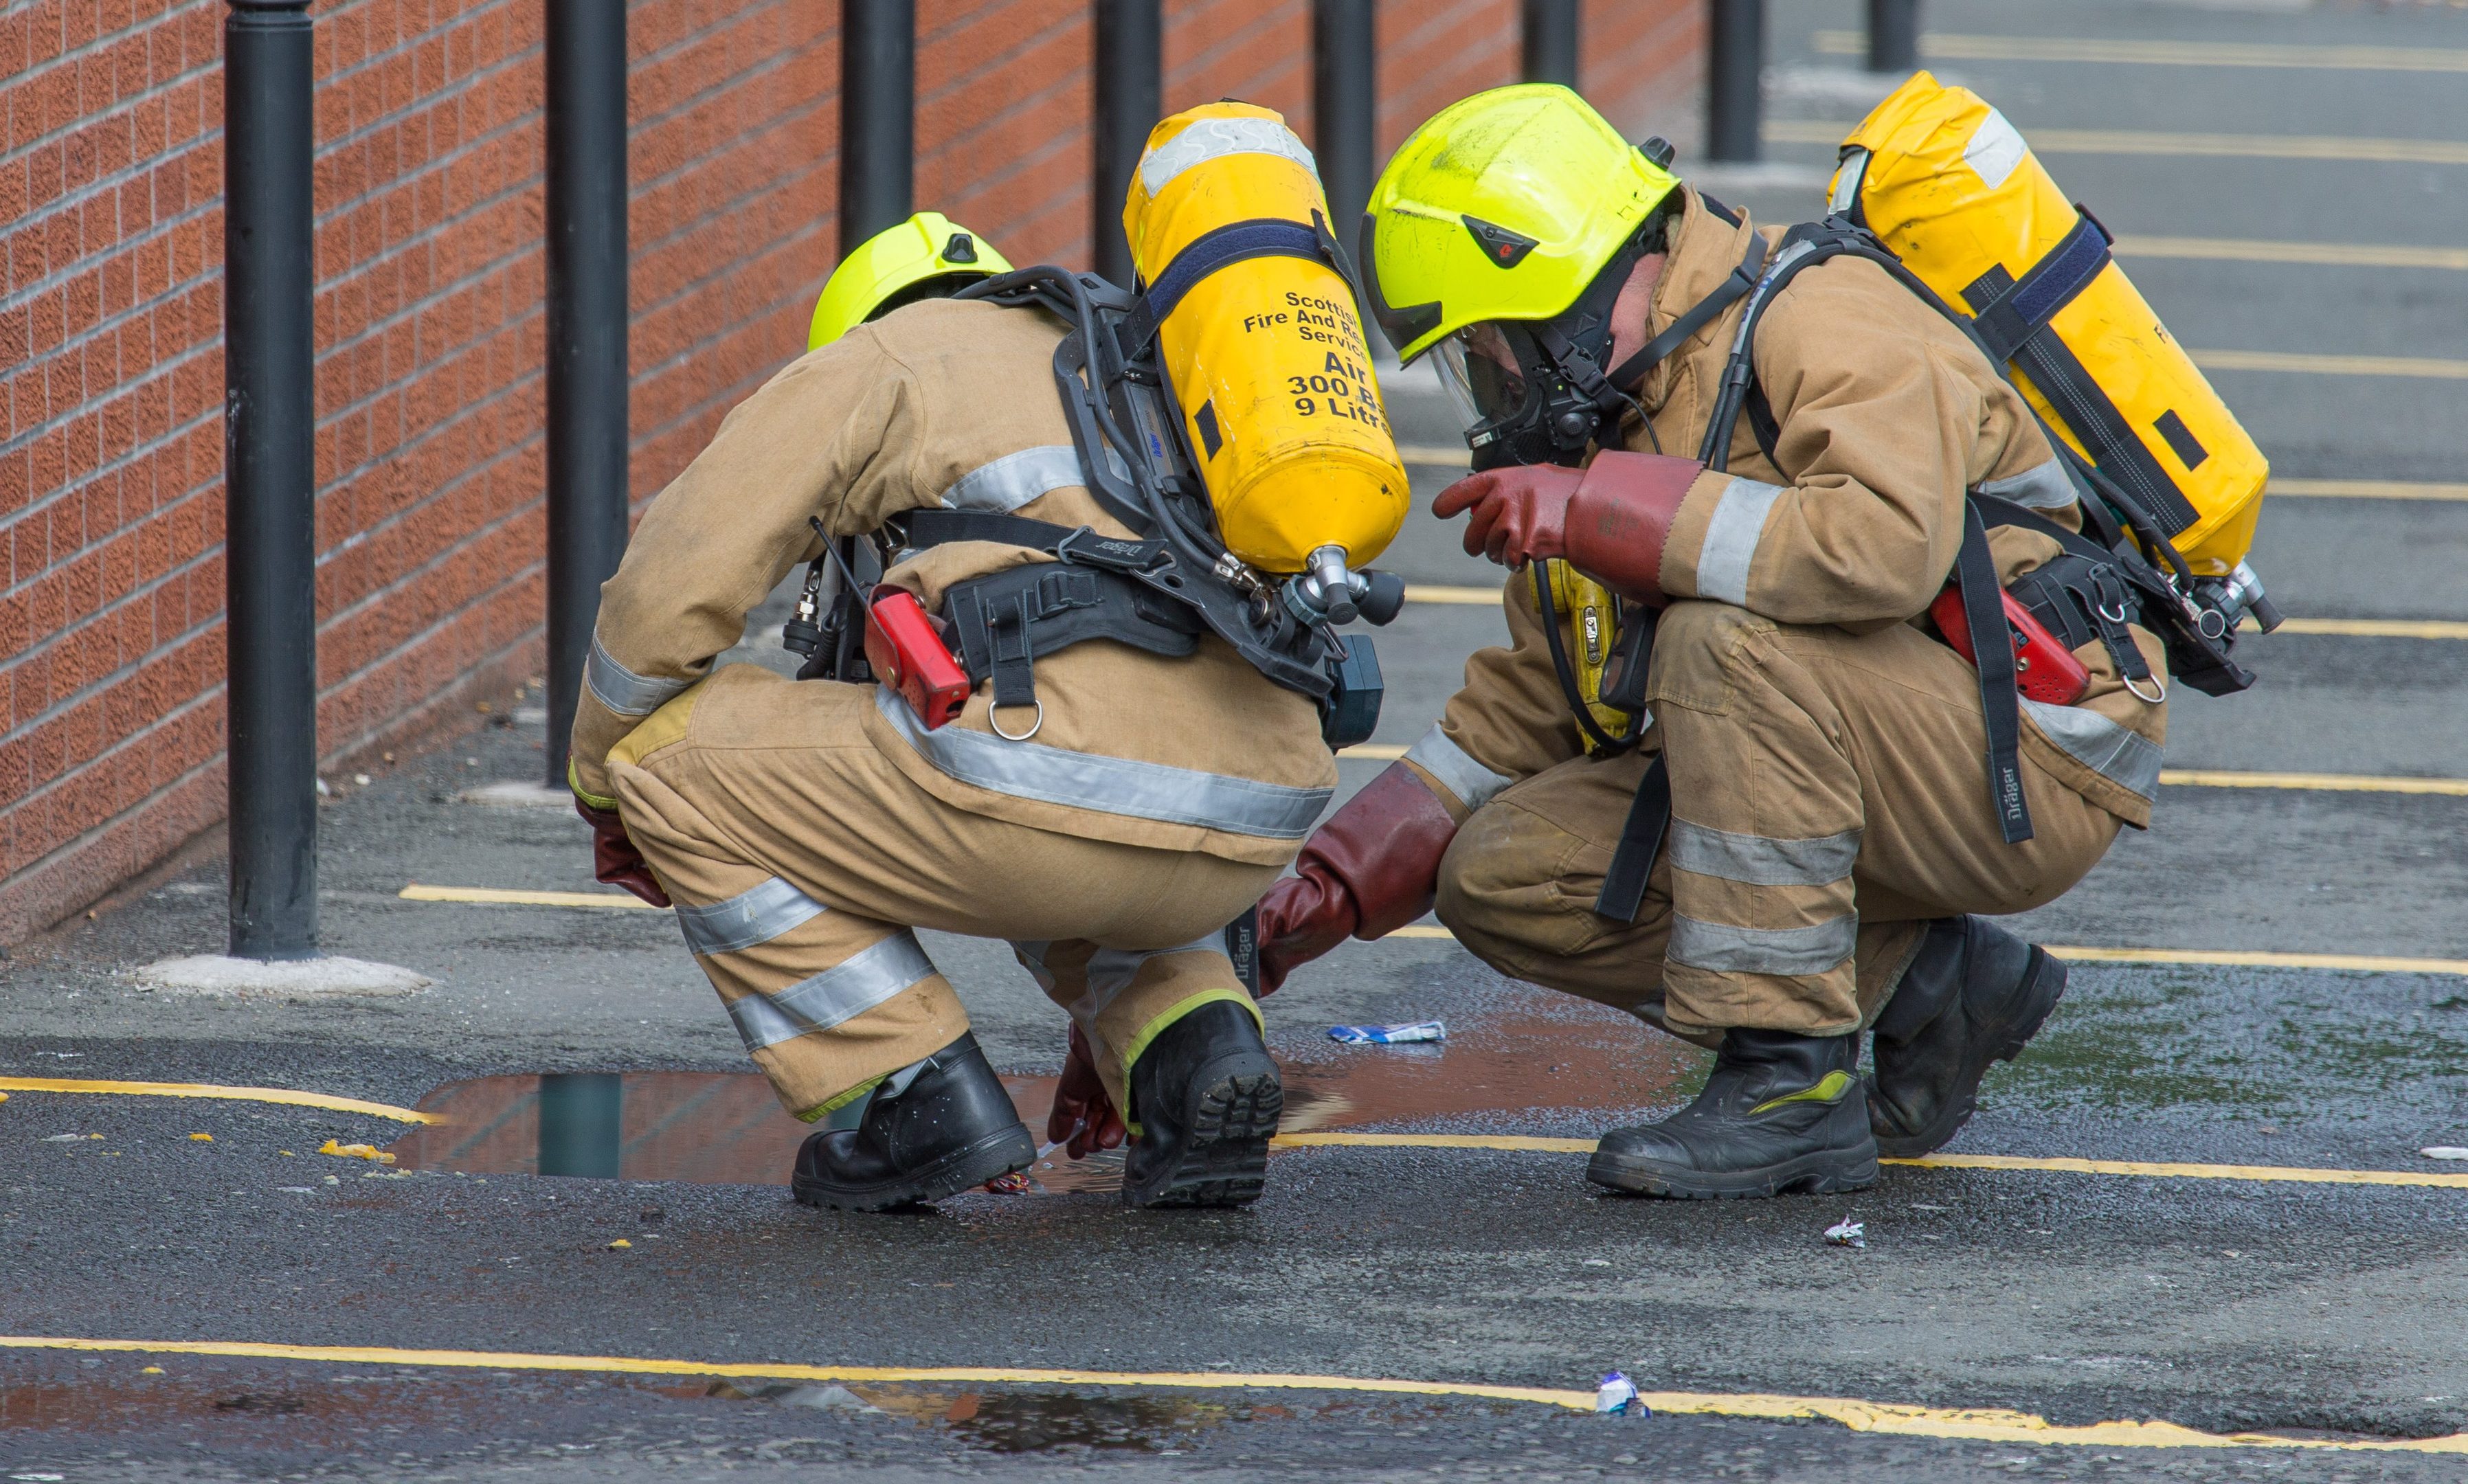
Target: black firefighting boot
x,y
1205,1098
1974,994
953,1126
1780,1112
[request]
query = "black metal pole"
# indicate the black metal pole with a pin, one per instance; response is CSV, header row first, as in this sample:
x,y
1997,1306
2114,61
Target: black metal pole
x,y
269,478
587,442
581,1124
1735,72
1893,36
1131,62
878,116
1551,42
1345,114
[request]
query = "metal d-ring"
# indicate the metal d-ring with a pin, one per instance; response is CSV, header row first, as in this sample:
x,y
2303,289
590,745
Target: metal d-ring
x,y
1033,726
2118,617
2149,700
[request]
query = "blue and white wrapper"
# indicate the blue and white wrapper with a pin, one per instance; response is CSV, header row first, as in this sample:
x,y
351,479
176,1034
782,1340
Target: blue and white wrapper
x,y
1388,1034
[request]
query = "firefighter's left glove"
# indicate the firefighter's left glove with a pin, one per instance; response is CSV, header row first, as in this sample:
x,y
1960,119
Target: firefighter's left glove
x,y
1371,868
614,859
1085,1119
1519,513
1610,519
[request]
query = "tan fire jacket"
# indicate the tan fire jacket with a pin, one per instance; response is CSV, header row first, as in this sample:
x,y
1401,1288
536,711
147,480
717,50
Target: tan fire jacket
x,y
952,405
1889,415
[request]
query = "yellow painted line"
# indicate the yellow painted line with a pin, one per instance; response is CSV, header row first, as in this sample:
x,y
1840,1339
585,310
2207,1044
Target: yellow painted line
x,y
2352,254
2231,958
2171,54
1976,1424
2369,489
1376,751
2430,367
201,1089
491,896
1433,454
1422,930
2377,628
1485,597
2332,782
2117,141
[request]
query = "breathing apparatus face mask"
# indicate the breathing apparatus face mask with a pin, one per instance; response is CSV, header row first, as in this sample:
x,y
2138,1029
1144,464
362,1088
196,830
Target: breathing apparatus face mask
x,y
1533,391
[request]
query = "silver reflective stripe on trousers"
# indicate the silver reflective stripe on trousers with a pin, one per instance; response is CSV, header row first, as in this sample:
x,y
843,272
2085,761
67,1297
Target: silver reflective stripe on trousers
x,y
2045,488
1211,139
1474,784
1110,970
746,919
621,690
1107,786
2125,758
1763,951
1015,479
1761,860
841,993
1730,546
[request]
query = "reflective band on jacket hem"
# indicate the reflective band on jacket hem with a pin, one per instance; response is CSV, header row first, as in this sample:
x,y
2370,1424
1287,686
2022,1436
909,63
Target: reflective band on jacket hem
x,y
746,919
1731,539
1009,482
2045,488
1212,138
1763,860
1474,784
2124,757
1763,951
1107,786
1109,972
841,993
621,690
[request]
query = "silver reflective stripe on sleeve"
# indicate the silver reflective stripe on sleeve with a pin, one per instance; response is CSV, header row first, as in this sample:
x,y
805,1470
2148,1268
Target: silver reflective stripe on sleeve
x,y
1211,138
2044,488
1763,951
1109,785
621,690
2123,757
1015,479
841,993
1474,784
1761,860
1731,540
746,919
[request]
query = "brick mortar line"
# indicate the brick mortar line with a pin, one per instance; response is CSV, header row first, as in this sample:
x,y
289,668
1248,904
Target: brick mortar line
x,y
123,673
115,463
91,832
103,185
118,105
440,556
637,127
428,102
367,736
641,374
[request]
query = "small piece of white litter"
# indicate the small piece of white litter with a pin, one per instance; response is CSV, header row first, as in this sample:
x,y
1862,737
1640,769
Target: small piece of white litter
x,y
1847,1233
2444,1152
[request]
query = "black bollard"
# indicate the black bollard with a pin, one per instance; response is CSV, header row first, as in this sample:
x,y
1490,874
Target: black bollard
x,y
1550,50
878,117
581,1124
1131,51
587,310
1345,116
1735,68
269,478
1893,36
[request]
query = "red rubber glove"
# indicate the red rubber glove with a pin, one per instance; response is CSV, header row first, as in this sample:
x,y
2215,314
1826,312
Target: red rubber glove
x,y
1373,868
614,859
1519,513
1609,520
1084,1119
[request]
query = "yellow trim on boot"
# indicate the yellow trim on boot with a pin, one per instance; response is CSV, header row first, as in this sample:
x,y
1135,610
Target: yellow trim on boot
x,y
822,1110
1165,1019
1829,1088
660,728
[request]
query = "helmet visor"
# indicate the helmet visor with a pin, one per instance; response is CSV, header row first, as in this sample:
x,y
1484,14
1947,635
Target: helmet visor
x,y
1479,372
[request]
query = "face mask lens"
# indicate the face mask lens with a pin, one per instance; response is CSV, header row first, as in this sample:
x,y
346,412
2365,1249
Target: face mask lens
x,y
1449,360
1477,371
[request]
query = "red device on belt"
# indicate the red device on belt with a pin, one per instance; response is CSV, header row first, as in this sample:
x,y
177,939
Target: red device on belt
x,y
2044,668
908,654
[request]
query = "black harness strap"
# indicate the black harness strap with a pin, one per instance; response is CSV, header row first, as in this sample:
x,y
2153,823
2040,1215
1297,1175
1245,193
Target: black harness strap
x,y
1640,842
1730,291
2024,306
1992,654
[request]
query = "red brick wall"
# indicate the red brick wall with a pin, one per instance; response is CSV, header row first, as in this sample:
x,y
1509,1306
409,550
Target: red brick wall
x,y
429,324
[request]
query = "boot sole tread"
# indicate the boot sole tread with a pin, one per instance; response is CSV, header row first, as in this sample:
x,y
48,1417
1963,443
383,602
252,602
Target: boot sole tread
x,y
1811,1174
996,1155
1223,1160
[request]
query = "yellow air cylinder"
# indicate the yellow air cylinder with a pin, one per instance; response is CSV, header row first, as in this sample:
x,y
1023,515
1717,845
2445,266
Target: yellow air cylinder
x,y
1953,189
1260,340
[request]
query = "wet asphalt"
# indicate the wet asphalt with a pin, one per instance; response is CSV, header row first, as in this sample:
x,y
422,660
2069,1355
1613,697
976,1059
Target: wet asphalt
x,y
2309,1310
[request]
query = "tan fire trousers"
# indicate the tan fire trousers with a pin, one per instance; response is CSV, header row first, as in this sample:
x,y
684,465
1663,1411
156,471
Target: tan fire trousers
x,y
799,859
1829,794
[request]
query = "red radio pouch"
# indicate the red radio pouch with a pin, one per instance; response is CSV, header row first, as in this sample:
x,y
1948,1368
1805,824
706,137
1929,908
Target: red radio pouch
x,y
908,654
2044,668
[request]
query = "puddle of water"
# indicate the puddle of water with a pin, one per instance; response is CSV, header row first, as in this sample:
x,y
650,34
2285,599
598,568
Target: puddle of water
x,y
725,1128
1018,1422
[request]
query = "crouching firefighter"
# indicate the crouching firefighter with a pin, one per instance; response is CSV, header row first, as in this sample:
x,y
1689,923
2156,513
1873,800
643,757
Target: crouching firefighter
x,y
1736,771
1043,702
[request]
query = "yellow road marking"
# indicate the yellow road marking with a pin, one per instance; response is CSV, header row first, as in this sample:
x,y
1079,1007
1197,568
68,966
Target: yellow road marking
x,y
2172,54
2368,490
2355,255
2425,366
2332,782
1433,454
1976,1424
492,895
2117,141
201,1089
2377,628
1485,597
2231,958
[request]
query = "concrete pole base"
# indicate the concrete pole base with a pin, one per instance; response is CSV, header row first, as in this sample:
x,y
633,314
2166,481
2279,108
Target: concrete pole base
x,y
217,975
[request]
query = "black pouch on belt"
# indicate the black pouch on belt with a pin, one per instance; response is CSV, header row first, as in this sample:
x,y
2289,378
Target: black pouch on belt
x,y
1005,621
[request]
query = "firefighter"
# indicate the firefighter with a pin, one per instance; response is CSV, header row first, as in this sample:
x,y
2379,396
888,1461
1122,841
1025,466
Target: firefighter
x,y
1833,848
802,830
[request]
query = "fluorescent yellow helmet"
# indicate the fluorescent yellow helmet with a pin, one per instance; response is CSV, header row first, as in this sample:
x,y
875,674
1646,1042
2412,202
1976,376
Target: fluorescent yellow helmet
x,y
1505,206
923,257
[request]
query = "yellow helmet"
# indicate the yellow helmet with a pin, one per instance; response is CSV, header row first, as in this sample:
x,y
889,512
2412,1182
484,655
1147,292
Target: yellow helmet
x,y
1506,205
924,256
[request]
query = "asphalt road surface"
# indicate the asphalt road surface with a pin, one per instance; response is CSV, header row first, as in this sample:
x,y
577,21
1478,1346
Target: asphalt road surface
x,y
583,1327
